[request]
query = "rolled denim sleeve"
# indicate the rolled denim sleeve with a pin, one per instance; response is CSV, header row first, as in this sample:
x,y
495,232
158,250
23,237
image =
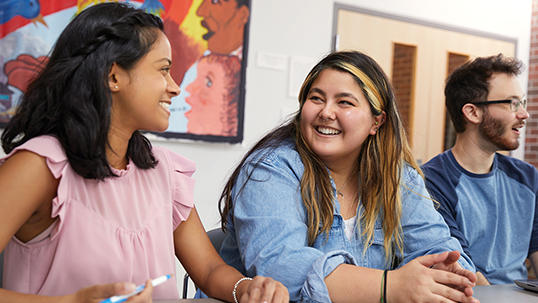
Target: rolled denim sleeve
x,y
424,229
314,288
271,233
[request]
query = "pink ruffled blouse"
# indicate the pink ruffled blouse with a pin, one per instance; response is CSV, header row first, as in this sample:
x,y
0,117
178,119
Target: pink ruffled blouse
x,y
117,230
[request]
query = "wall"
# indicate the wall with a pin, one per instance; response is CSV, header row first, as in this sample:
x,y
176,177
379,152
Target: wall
x,y
302,29
531,142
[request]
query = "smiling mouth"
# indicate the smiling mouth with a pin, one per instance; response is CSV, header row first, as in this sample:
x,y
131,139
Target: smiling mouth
x,y
518,128
517,131
165,105
327,131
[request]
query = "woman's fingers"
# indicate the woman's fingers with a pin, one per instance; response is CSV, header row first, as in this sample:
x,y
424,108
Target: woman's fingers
x,y
265,290
269,286
100,292
433,259
115,289
449,278
444,292
281,294
105,291
252,295
452,258
144,296
453,286
424,284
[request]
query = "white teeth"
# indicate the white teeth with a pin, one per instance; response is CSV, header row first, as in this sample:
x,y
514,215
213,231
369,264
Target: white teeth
x,y
328,131
164,104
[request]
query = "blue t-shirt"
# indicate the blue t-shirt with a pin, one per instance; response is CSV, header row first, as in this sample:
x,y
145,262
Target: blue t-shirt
x,y
493,215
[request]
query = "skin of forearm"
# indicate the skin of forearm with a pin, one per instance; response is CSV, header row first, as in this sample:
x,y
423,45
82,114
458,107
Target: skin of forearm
x,y
217,287
349,283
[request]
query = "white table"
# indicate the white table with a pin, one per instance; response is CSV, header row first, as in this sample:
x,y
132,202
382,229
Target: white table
x,y
506,293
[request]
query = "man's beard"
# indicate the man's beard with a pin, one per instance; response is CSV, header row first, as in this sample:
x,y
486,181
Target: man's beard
x,y
495,131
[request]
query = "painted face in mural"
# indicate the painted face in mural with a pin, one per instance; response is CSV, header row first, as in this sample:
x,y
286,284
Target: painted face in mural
x,y
225,24
213,97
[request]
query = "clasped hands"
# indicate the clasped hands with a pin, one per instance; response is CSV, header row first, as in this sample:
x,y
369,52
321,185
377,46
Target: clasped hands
x,y
432,278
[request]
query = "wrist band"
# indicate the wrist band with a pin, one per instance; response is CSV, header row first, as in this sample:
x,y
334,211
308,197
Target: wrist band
x,y
385,285
235,287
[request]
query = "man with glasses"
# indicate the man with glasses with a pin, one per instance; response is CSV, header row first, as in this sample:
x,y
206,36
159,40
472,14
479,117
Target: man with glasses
x,y
488,200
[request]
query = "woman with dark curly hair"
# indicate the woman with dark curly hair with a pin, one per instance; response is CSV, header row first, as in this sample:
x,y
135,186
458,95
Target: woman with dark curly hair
x,y
88,206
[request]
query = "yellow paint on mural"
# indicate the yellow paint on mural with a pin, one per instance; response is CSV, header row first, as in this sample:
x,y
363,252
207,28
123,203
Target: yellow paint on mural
x,y
191,25
82,4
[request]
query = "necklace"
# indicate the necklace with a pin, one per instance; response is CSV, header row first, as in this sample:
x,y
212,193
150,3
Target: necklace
x,y
339,191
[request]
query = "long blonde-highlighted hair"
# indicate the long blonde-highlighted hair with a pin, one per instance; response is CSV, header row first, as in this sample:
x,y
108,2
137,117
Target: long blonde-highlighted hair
x,y
379,165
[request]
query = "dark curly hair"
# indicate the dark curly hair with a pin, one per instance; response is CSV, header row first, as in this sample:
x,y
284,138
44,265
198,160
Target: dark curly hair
x,y
71,100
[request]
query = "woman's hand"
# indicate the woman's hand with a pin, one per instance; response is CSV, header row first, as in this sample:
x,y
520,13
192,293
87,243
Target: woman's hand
x,y
451,264
262,289
481,279
417,282
98,293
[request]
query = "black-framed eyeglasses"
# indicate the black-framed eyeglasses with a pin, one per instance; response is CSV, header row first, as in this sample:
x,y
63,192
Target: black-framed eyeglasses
x,y
515,103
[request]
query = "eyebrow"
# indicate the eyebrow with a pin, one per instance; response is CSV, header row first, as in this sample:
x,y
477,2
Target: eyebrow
x,y
317,90
516,97
339,95
164,59
348,95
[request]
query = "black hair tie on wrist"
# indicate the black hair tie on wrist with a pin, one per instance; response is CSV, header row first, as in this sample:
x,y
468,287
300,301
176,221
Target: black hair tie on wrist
x,y
385,286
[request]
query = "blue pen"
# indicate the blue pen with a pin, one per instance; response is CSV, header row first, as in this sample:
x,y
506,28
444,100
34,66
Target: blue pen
x,y
140,288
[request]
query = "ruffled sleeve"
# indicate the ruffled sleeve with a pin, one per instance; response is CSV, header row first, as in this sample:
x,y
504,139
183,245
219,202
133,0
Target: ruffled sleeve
x,y
182,186
47,147
51,149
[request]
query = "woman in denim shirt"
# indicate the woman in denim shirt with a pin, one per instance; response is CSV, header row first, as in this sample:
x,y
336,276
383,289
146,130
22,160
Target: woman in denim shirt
x,y
333,198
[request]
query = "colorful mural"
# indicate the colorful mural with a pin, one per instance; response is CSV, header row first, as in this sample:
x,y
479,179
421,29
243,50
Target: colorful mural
x,y
208,54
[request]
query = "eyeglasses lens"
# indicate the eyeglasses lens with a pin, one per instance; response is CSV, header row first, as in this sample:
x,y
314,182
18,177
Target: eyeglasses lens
x,y
516,103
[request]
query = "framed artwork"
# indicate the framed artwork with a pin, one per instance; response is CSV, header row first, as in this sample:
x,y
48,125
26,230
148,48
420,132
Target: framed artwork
x,y
209,52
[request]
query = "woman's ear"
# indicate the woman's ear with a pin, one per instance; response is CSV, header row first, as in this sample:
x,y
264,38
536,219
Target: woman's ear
x,y
378,121
114,77
381,118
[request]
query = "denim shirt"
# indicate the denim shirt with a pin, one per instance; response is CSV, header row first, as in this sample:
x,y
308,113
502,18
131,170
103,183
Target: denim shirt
x,y
268,233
